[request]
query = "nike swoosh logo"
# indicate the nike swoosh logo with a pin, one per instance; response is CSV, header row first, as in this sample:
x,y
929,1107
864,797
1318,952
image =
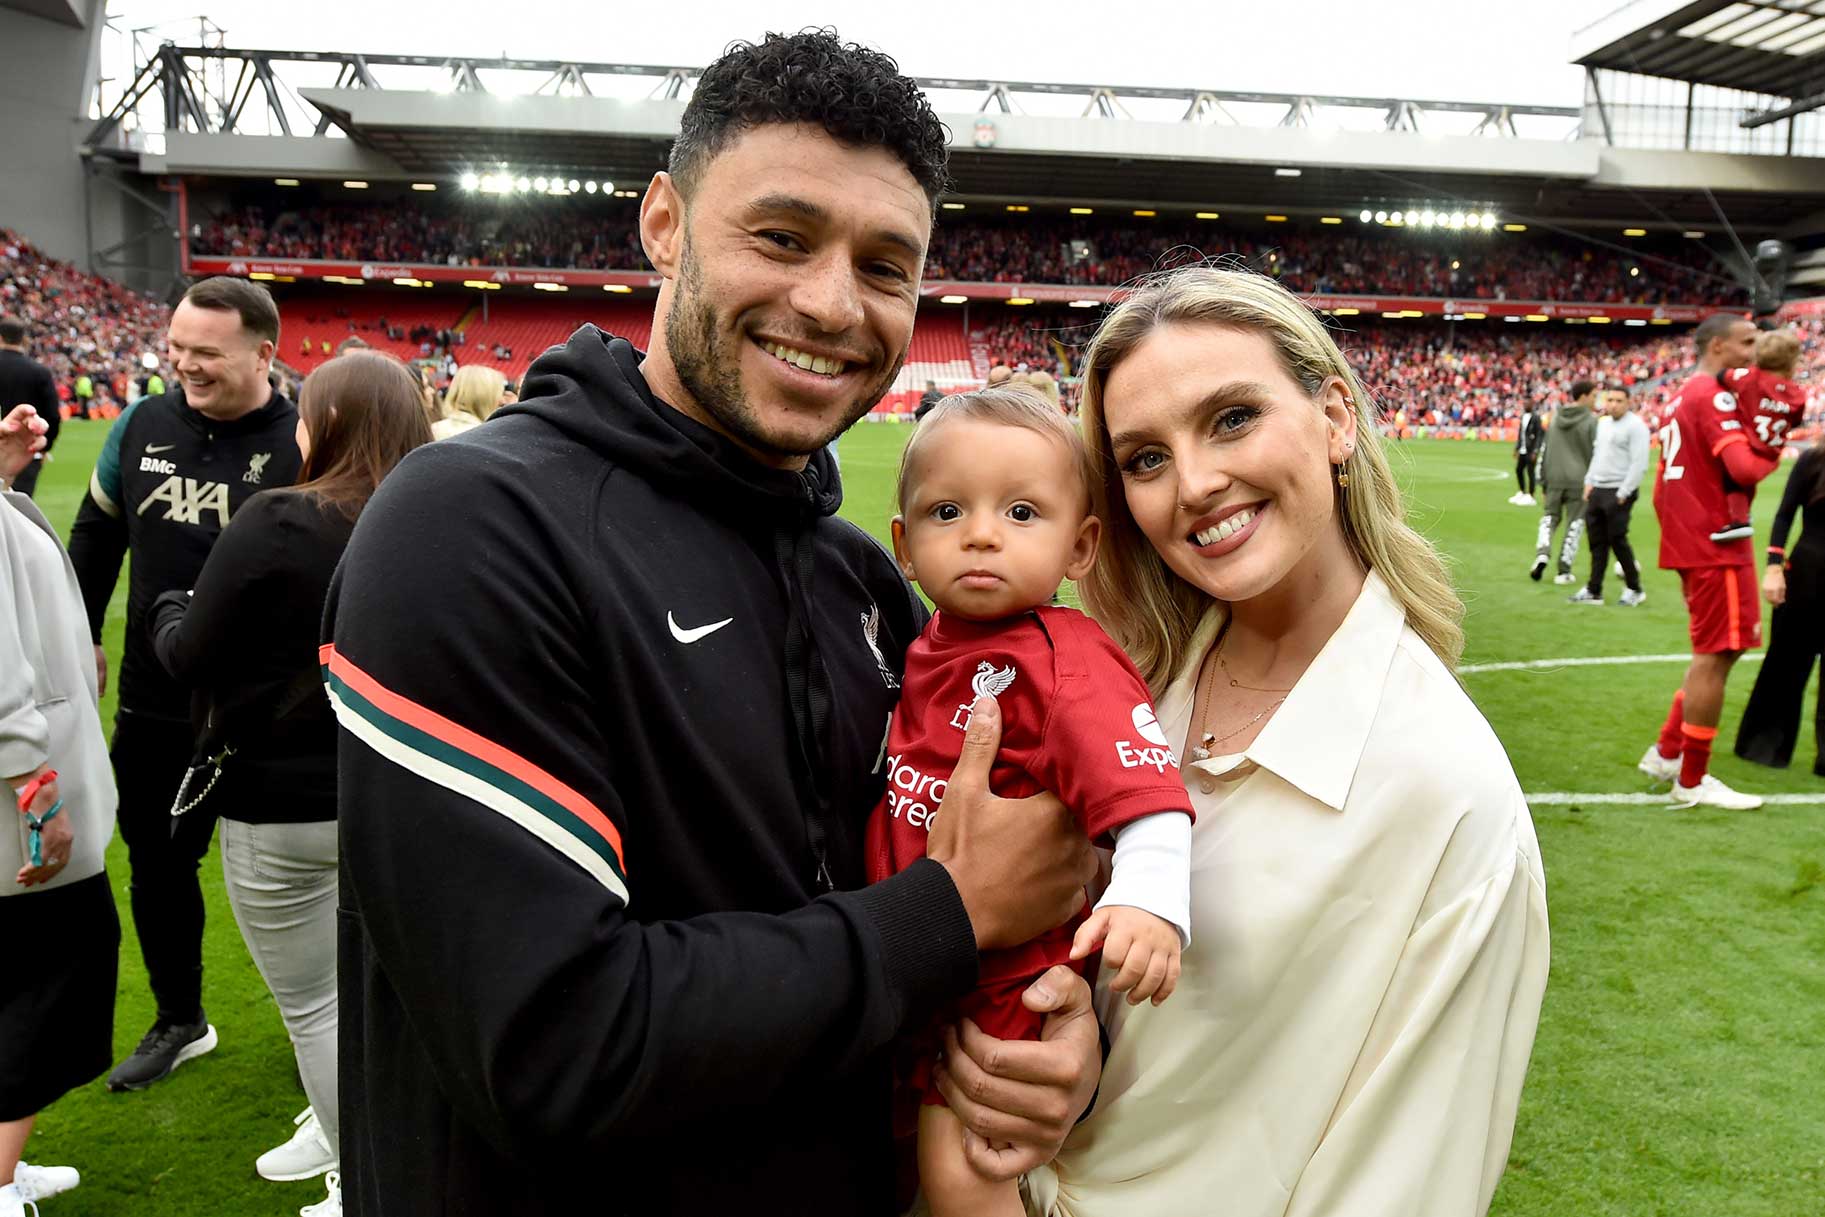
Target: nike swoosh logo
x,y
155,449
692,635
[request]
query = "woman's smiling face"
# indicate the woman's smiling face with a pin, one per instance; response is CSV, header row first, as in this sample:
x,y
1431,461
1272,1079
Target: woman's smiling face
x,y
1226,461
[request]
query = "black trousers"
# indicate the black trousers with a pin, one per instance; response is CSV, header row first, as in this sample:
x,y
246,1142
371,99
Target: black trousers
x,y
28,478
1608,523
150,756
1771,721
1524,472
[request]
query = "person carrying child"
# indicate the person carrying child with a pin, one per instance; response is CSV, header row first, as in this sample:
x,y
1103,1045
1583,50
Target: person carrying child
x,y
1770,403
994,512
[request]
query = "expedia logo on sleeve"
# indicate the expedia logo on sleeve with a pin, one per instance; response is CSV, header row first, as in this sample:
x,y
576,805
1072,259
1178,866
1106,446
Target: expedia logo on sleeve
x,y
1725,402
1156,754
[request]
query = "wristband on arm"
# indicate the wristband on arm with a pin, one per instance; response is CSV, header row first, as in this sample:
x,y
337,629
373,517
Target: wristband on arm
x,y
1777,556
36,823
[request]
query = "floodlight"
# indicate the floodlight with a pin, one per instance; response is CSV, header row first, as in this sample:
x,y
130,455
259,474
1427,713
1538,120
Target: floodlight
x,y
1366,215
589,187
470,181
1381,217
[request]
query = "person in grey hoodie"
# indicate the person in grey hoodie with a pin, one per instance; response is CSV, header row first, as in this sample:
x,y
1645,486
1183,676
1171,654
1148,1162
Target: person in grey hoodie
x,y
1564,460
57,1006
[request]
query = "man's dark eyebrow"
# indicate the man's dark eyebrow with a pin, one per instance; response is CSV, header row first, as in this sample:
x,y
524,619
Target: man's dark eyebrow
x,y
806,209
790,203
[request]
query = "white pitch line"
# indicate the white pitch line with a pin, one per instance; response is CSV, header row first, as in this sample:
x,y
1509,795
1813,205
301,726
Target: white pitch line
x,y
1558,798
1587,661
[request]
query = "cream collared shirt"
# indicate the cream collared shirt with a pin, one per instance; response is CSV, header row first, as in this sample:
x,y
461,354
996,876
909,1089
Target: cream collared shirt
x,y
1359,1001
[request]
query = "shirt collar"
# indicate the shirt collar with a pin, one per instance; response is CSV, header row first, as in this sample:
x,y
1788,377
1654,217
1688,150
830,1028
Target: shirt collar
x,y
1315,741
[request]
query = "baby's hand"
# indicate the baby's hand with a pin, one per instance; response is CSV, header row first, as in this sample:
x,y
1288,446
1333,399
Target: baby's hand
x,y
1144,949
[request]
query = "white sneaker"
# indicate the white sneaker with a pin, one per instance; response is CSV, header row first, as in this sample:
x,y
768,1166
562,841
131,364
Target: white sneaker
x,y
1658,767
43,1182
1518,499
330,1205
1566,578
1618,570
305,1156
1631,599
1713,793
12,1203
1527,500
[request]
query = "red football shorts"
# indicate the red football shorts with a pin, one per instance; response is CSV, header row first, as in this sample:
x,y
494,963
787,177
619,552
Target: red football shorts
x,y
1724,606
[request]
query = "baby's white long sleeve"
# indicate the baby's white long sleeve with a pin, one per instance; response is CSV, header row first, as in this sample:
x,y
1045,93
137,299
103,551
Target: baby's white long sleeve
x,y
1153,869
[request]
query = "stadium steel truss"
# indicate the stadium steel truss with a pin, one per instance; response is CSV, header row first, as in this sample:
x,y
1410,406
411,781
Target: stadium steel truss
x,y
174,74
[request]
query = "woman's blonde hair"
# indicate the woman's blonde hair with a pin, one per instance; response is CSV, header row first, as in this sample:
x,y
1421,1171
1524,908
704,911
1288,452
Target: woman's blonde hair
x,y
1131,591
475,391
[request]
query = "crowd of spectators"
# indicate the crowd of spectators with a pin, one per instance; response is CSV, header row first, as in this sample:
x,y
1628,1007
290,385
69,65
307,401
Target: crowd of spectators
x,y
547,234
90,329
1338,261
91,332
586,234
1470,375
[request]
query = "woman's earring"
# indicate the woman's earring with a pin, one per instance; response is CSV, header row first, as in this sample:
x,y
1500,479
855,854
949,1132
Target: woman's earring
x,y
1343,479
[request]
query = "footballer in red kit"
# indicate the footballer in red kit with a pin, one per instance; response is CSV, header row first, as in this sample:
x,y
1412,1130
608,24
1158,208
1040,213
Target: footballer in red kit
x,y
1704,455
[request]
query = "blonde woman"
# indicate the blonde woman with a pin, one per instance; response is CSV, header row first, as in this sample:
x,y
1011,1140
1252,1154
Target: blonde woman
x,y
1357,1009
474,394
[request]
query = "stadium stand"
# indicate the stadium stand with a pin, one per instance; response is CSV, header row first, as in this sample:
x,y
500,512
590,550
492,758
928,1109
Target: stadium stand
x,y
592,235
82,324
1472,376
525,327
405,324
942,354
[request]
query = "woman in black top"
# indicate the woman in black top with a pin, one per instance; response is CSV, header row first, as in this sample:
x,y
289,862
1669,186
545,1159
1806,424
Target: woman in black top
x,y
1795,585
245,641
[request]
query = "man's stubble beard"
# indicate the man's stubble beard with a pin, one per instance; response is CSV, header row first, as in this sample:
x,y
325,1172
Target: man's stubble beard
x,y
711,372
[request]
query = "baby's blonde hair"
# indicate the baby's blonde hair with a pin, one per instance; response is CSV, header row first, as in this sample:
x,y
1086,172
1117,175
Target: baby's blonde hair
x,y
1007,405
1777,351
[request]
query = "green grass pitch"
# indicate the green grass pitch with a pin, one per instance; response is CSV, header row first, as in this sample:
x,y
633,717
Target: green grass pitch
x,y
1678,1069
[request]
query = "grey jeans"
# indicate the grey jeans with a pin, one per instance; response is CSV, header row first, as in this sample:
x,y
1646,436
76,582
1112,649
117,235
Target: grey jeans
x,y
282,886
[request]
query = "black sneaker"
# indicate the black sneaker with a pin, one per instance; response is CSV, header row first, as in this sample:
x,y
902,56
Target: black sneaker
x,y
164,1048
1539,568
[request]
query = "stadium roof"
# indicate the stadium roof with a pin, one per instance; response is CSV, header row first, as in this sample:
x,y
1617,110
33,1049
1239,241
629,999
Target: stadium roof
x,y
1774,47
1202,149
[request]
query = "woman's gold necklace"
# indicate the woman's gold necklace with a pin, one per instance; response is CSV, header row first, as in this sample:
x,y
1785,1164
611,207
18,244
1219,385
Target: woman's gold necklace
x,y
1207,741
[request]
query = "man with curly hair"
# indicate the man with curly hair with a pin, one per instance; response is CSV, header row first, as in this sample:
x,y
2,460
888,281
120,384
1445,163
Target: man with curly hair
x,y
615,681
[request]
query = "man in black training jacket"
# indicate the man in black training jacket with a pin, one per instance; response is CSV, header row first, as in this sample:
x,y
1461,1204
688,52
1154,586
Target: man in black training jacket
x,y
171,473
614,682
25,381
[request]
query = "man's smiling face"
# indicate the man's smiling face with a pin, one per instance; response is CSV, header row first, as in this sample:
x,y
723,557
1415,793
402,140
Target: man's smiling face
x,y
793,271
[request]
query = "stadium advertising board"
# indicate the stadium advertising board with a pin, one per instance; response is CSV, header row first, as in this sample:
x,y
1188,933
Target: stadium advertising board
x,y
389,271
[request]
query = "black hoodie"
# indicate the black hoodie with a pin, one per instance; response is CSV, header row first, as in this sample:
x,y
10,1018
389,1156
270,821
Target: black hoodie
x,y
613,701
